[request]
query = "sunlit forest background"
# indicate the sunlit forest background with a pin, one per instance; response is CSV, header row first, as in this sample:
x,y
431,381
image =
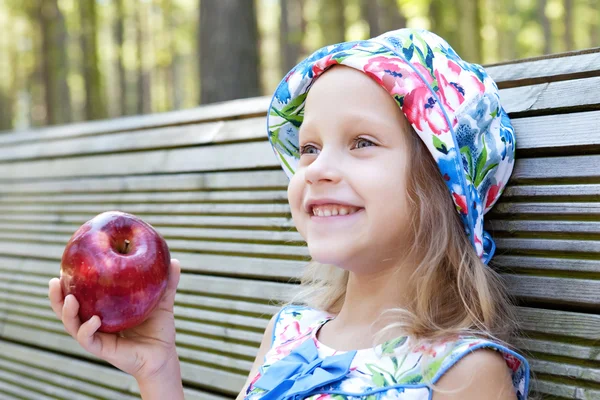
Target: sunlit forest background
x,y
64,61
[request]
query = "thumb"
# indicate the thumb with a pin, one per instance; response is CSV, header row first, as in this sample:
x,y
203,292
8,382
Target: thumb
x,y
174,274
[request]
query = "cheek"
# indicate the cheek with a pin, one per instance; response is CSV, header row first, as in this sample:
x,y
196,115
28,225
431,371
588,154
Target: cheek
x,y
295,198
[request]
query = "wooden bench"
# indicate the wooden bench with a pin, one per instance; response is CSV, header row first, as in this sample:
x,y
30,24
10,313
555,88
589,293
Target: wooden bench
x,y
208,180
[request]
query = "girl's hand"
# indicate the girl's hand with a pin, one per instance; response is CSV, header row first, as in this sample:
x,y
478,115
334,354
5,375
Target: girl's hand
x,y
143,351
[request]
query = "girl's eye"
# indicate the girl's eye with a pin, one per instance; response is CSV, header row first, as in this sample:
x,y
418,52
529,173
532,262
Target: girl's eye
x,y
304,149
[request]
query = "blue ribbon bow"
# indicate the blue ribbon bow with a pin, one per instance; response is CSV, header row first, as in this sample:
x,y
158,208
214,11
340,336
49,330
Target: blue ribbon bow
x,y
302,371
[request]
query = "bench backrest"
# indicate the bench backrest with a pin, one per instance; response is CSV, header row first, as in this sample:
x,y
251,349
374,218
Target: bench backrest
x,y
208,180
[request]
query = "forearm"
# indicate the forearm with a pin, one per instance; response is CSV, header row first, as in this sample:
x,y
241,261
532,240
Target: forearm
x,y
166,385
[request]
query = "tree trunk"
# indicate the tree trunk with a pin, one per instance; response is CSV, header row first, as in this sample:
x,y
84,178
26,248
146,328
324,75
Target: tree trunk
x,y
54,63
370,13
569,36
121,74
469,32
290,32
443,20
391,17
95,106
545,21
595,25
144,103
332,21
228,48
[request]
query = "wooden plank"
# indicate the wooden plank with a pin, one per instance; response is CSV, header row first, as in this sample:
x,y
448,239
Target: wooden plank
x,y
162,220
148,139
111,378
220,111
19,392
556,290
201,208
545,263
565,391
546,68
208,376
549,97
152,197
56,384
55,251
570,324
206,158
562,208
556,348
554,245
554,191
548,132
56,232
189,283
275,180
586,373
556,167
566,227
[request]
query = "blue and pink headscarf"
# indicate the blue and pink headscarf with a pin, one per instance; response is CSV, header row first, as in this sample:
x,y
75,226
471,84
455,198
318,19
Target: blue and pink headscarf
x,y
453,106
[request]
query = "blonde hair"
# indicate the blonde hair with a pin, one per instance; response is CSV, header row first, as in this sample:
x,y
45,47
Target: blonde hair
x,y
453,291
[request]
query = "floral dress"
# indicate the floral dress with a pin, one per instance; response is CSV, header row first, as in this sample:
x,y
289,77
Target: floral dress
x,y
298,366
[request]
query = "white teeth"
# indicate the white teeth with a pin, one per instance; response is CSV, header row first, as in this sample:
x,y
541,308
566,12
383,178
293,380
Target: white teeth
x,y
328,211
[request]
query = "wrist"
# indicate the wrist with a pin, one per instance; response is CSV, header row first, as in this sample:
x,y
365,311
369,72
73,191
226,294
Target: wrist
x,y
163,384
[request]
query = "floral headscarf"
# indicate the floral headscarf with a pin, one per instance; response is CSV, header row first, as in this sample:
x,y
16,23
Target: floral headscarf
x,y
453,106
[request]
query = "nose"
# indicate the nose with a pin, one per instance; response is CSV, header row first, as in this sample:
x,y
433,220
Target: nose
x,y
325,167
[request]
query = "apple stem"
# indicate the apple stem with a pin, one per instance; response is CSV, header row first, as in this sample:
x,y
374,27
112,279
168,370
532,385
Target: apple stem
x,y
126,246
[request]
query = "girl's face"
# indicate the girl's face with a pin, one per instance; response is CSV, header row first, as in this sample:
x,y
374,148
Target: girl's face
x,y
354,143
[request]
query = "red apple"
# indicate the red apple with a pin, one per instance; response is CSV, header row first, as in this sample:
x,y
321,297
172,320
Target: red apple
x,y
117,267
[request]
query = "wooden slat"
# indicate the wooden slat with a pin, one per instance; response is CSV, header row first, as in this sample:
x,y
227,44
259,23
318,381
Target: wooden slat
x,y
571,324
552,191
275,179
557,348
563,208
161,220
565,391
557,290
207,158
171,137
58,233
201,208
556,167
220,111
104,379
189,283
550,96
566,227
548,132
547,68
554,245
152,197
546,263
65,344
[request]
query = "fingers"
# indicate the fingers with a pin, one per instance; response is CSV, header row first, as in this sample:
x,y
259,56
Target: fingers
x,y
87,337
56,297
174,275
70,317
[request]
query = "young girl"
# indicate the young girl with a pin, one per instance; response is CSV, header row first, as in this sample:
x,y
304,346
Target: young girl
x,y
395,149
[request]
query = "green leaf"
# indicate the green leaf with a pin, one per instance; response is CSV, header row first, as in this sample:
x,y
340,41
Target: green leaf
x,y
293,105
481,161
467,153
390,346
438,144
484,173
379,376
